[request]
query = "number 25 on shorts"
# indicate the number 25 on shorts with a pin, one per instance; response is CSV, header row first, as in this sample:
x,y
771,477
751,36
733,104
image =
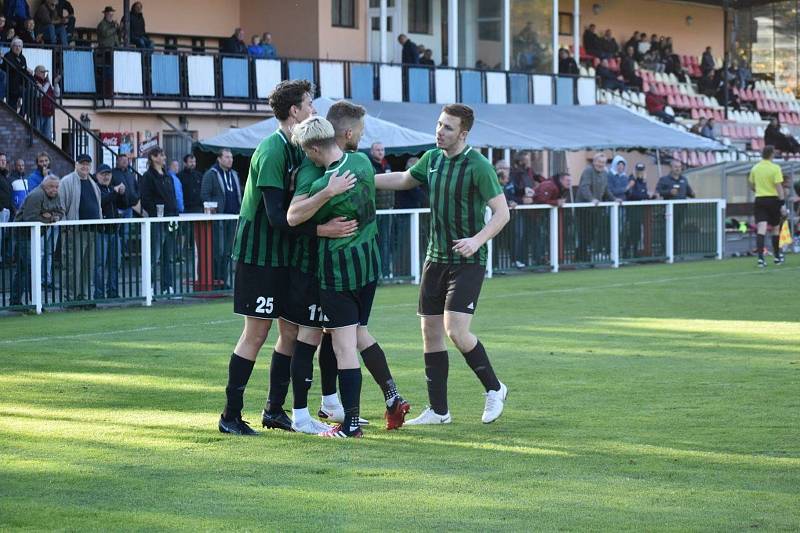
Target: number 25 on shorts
x,y
264,305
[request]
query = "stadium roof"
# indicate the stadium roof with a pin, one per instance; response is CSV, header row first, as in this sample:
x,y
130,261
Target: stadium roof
x,y
395,138
534,127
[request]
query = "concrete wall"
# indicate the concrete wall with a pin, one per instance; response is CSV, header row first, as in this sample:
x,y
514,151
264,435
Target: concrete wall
x,y
294,25
14,132
342,43
667,18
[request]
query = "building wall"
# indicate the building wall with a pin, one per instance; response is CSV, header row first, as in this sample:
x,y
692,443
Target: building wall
x,y
14,132
667,18
342,43
294,25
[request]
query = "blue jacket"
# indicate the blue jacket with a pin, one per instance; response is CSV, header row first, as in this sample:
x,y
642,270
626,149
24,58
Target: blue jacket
x,y
666,184
176,182
638,192
16,10
618,183
270,52
35,179
257,51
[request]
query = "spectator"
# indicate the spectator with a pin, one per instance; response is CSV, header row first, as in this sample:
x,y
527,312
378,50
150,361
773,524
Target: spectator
x,y
672,65
656,106
68,16
554,191
122,174
628,70
637,191
707,63
609,45
633,42
50,24
420,50
158,199
108,30
28,33
652,61
698,126
503,171
522,178
270,52
674,186
15,77
593,187
191,184
642,47
19,185
591,42
775,137
3,29
618,181
80,197
6,203
221,185
409,199
42,170
138,32
566,64
16,12
708,129
383,200
609,80
235,43
655,46
44,107
172,170
427,58
410,53
107,247
744,76
255,49
707,85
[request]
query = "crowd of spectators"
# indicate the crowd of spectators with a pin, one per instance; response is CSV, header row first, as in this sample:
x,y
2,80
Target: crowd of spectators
x,y
52,23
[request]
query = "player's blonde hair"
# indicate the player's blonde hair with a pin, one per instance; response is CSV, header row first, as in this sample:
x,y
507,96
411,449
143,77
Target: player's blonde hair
x,y
313,131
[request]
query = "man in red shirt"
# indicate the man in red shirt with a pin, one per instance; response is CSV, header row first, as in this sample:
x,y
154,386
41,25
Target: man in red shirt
x,y
655,106
553,191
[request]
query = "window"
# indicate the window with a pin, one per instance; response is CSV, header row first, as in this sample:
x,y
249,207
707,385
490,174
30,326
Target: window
x,y
344,13
419,16
377,3
565,23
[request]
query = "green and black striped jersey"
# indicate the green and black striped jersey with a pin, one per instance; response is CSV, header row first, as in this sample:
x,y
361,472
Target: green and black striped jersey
x,y
304,249
459,189
353,262
272,165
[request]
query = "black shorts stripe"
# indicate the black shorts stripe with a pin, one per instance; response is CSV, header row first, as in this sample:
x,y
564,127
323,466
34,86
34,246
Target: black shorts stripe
x,y
330,279
256,248
472,225
356,261
245,247
459,192
343,270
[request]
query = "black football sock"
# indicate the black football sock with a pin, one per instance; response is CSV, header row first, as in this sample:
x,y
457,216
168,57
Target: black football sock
x,y
776,247
478,361
375,361
760,245
239,370
327,366
302,371
350,389
436,369
279,378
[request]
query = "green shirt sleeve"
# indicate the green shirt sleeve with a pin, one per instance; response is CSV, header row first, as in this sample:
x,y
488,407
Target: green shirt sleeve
x,y
306,175
420,169
487,182
271,164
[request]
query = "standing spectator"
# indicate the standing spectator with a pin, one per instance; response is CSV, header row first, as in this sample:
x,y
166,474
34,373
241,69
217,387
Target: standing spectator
x,y
633,222
172,170
41,205
503,171
158,199
609,45
633,42
50,24
656,106
44,107
628,70
255,49
410,52
383,200
19,185
744,76
68,16
36,177
524,184
123,174
707,63
80,197
674,186
427,58
235,43
608,79
28,33
16,12
593,187
108,30
566,64
637,192
708,129
107,242
221,185
15,77
270,52
591,42
6,206
191,183
554,191
642,47
618,181
3,29
138,34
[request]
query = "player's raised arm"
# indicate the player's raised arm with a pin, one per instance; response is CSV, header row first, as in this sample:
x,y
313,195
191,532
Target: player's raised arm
x,y
500,217
395,181
303,207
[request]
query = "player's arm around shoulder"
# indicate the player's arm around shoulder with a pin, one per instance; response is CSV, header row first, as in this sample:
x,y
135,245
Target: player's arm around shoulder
x,y
303,206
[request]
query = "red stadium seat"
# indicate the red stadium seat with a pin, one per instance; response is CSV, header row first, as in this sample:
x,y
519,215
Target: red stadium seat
x,y
695,114
693,161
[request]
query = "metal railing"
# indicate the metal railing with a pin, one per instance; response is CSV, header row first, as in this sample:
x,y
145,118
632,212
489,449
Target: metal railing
x,y
88,262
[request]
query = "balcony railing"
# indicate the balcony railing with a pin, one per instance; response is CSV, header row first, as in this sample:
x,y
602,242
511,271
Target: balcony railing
x,y
87,262
156,78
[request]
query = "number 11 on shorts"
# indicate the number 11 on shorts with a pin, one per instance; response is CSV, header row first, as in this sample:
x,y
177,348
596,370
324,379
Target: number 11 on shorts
x,y
314,309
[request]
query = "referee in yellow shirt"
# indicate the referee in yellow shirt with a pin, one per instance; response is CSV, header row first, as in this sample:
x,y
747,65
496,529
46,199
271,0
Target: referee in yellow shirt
x,y
766,179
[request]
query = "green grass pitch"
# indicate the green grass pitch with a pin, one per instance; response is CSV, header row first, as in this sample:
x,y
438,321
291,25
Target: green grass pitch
x,y
650,398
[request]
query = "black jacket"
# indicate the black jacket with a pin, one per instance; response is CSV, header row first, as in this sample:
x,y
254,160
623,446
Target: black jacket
x,y
5,192
567,66
410,53
232,45
137,26
131,182
192,182
110,202
15,79
158,189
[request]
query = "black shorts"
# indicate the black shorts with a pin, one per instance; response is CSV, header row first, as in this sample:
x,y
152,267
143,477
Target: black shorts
x,y
302,304
768,209
449,287
347,308
260,291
